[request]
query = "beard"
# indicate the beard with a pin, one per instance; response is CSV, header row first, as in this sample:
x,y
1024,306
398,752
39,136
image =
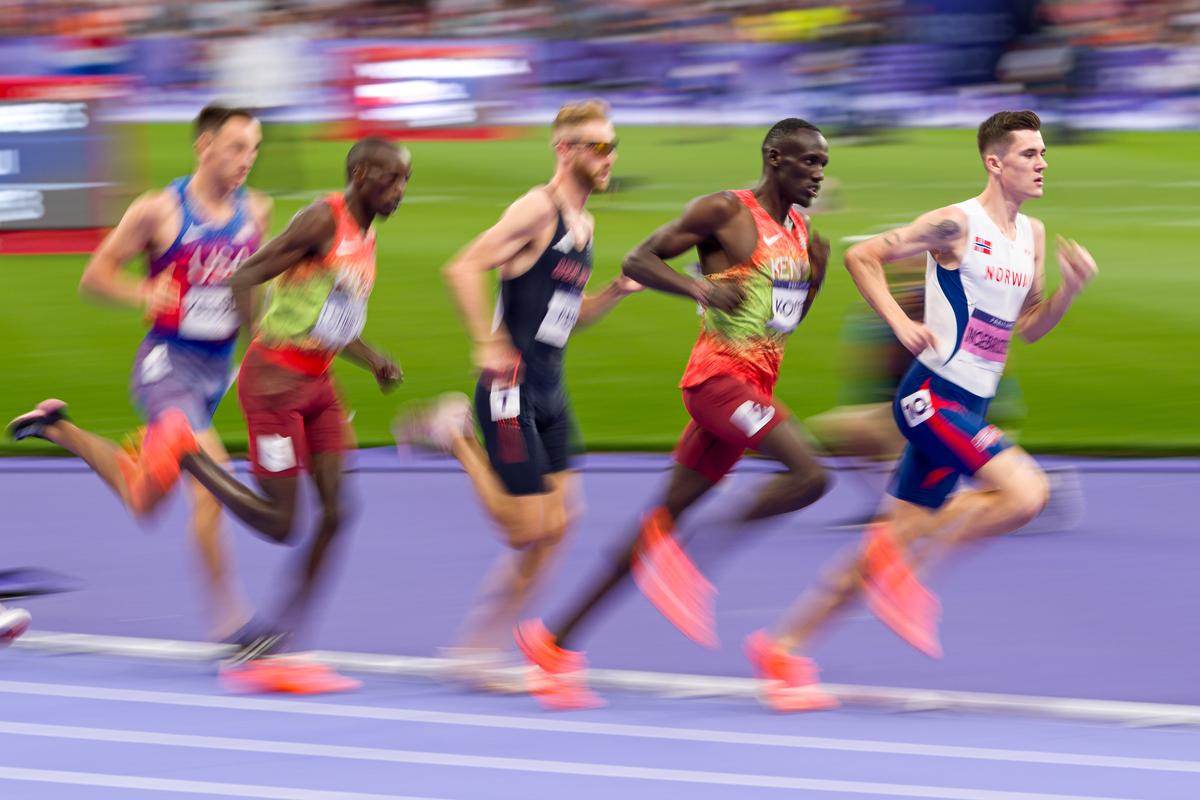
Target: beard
x,y
590,178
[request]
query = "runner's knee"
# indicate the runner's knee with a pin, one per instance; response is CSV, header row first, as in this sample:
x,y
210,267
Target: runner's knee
x,y
809,484
1028,500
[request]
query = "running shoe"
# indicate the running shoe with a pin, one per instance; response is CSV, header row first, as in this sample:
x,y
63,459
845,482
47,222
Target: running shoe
x,y
896,596
669,580
789,681
167,440
33,423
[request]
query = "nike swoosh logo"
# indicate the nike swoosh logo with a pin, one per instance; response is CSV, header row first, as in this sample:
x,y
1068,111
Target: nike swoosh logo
x,y
770,240
193,233
565,244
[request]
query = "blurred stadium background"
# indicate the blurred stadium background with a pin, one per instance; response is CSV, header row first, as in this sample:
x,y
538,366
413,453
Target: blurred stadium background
x,y
95,99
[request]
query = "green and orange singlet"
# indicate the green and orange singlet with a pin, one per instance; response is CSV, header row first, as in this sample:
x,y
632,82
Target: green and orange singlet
x,y
319,306
748,343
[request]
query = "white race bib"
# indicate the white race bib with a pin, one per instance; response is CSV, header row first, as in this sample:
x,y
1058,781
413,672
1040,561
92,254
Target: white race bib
x,y
787,304
208,313
561,315
156,365
341,320
505,402
917,407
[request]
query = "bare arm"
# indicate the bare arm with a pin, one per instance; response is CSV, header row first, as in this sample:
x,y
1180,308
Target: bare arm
x,y
1041,314
496,246
595,306
818,261
386,371
104,277
701,220
261,207
939,232
308,234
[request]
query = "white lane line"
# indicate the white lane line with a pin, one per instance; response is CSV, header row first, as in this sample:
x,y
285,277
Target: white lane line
x,y
186,787
530,765
666,684
550,724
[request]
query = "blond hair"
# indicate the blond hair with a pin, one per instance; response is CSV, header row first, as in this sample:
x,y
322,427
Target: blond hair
x,y
573,114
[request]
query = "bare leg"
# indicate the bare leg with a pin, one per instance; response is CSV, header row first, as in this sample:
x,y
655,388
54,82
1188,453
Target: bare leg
x,y
102,455
520,572
270,516
327,474
227,603
1015,491
686,487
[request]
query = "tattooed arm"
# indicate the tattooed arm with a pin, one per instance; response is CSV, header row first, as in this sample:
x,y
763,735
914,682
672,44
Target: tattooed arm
x,y
942,233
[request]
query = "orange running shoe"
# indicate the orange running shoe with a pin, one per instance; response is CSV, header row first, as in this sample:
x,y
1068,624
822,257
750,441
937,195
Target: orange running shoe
x,y
790,682
167,440
896,596
285,676
558,681
539,647
564,691
669,580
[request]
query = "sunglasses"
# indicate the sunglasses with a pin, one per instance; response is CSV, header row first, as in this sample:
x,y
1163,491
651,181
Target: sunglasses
x,y
599,148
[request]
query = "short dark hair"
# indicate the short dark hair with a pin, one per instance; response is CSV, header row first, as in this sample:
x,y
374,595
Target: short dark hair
x,y
783,129
214,115
365,151
996,128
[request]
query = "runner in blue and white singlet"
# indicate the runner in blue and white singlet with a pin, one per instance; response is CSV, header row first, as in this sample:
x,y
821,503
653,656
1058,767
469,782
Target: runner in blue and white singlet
x,y
985,276
193,235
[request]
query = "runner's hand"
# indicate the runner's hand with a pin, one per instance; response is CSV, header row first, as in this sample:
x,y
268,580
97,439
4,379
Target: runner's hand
x,y
497,357
725,296
160,294
915,337
1075,264
387,373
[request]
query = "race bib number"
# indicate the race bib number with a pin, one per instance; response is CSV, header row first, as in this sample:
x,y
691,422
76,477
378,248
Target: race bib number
x,y
750,417
341,320
917,407
275,453
505,402
987,337
208,313
787,304
561,315
156,365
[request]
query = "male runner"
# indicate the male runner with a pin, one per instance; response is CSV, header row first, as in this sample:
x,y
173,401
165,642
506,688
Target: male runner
x,y
323,266
984,279
762,269
195,234
542,247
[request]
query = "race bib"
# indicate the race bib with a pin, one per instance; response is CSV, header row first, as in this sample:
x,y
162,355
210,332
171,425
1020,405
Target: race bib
x,y
505,402
917,407
750,417
561,315
987,337
156,365
208,313
787,304
341,320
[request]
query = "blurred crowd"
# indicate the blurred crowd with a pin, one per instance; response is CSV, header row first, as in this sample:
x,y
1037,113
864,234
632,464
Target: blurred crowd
x,y
1090,22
